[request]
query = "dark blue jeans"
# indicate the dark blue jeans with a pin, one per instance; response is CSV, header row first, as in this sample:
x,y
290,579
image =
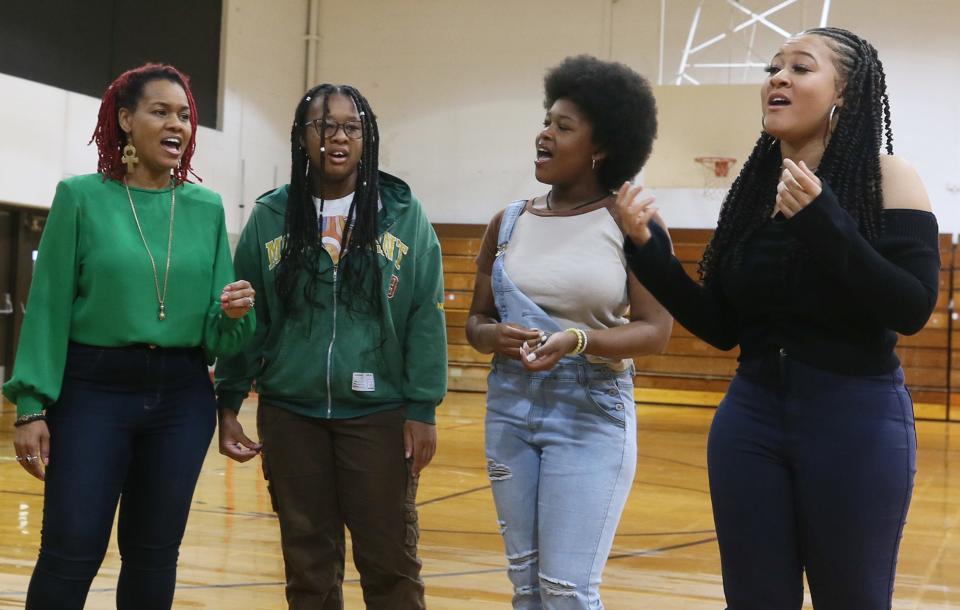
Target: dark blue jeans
x,y
811,470
132,425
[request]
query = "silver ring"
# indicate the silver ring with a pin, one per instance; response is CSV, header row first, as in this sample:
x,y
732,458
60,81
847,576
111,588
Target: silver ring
x,y
251,302
19,459
28,458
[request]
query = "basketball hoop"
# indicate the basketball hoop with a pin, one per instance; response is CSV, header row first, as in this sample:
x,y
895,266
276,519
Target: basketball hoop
x,y
720,165
715,182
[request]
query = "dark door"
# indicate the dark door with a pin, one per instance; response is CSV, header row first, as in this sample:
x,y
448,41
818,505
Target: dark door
x,y
20,230
7,241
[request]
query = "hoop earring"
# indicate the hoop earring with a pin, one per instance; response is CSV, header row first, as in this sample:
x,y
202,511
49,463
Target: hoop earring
x,y
830,125
763,122
593,164
306,167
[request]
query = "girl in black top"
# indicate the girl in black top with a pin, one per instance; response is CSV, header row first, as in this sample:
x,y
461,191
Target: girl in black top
x,y
824,250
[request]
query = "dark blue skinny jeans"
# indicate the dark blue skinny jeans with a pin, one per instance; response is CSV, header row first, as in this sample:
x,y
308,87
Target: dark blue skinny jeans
x,y
132,425
811,470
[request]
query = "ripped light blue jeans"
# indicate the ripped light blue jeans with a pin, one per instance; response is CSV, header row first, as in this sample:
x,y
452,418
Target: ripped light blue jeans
x,y
561,450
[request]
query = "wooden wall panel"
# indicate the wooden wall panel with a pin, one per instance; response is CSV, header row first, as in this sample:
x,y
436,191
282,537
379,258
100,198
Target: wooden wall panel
x,y
931,358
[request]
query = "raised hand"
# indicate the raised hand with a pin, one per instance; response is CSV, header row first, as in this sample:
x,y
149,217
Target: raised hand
x,y
634,213
797,188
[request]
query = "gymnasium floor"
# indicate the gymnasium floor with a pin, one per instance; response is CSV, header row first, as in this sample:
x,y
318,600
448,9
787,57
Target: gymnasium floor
x,y
664,557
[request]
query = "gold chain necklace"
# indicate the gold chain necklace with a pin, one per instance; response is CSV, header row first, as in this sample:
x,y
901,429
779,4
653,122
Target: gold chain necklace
x,y
162,315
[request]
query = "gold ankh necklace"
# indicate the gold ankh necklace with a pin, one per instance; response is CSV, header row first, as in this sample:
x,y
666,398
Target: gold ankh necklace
x,y
161,297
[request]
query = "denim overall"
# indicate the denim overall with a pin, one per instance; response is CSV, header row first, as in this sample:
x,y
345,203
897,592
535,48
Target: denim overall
x,y
561,450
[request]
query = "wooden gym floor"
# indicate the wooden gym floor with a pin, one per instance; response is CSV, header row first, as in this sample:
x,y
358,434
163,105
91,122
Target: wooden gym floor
x,y
664,557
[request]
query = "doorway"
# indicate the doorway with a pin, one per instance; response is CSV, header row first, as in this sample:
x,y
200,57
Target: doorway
x,y
20,231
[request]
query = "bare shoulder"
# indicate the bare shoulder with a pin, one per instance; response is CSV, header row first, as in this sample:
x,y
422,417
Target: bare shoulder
x,y
902,186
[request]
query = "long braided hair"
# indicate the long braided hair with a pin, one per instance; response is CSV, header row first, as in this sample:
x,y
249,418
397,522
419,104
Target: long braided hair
x,y
361,285
850,163
125,92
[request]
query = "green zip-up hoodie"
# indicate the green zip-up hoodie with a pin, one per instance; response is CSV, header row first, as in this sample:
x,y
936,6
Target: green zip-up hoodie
x,y
330,361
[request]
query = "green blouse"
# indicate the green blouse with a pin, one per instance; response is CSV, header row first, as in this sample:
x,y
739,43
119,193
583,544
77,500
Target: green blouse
x,y
93,282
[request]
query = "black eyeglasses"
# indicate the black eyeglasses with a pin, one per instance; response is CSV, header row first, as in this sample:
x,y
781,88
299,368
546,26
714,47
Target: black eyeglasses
x,y
328,129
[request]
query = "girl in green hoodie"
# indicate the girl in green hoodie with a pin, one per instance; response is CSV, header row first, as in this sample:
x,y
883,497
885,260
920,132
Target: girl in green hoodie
x,y
349,357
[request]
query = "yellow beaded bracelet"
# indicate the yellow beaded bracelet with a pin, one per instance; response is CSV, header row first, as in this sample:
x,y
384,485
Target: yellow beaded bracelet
x,y
581,341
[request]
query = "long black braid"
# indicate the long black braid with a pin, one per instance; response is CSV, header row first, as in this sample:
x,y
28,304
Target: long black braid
x,y
300,256
850,163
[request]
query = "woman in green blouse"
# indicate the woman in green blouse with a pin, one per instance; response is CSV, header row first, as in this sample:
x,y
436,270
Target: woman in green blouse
x,y
132,296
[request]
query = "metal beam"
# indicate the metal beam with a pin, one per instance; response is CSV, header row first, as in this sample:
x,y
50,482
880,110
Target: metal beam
x,y
706,44
825,13
733,64
686,49
761,18
663,28
754,19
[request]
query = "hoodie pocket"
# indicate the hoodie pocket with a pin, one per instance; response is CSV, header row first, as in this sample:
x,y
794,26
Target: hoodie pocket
x,y
293,364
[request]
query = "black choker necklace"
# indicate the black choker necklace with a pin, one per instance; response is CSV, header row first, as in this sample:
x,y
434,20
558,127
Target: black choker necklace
x,y
579,205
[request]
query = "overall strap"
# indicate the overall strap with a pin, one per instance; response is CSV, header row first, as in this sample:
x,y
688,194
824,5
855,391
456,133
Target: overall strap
x,y
507,222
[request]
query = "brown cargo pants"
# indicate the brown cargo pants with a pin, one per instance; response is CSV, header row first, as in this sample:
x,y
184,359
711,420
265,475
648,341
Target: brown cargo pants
x,y
326,474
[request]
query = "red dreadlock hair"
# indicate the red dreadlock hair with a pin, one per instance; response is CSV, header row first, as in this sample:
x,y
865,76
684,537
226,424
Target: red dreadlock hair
x,y
124,92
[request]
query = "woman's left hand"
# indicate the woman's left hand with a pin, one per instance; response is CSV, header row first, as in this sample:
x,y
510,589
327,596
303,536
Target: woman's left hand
x,y
419,444
546,356
237,299
798,187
